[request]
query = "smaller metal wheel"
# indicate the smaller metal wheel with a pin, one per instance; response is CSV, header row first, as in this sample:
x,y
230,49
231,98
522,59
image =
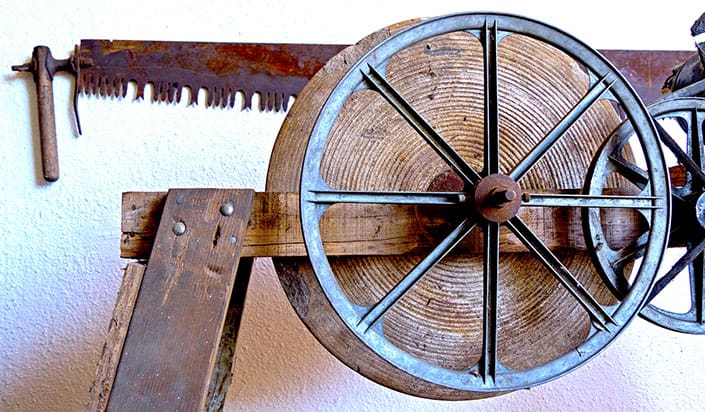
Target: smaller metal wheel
x,y
677,300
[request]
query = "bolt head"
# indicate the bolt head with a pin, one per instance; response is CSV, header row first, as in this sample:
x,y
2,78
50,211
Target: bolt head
x,y
179,228
227,209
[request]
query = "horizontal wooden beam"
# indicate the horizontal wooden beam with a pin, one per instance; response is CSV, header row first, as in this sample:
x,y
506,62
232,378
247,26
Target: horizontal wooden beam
x,y
274,228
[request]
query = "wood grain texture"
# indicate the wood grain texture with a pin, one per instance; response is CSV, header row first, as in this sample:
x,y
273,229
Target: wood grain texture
x,y
115,338
274,228
172,341
371,148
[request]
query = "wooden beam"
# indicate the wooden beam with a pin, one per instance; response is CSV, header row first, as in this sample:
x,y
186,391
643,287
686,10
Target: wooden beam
x,y
115,338
171,346
274,228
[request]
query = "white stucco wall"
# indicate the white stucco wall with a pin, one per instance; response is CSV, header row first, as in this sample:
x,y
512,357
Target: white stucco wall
x,y
59,265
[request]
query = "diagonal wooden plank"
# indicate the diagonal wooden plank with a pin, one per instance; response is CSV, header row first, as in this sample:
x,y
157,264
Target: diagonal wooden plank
x,y
172,341
115,338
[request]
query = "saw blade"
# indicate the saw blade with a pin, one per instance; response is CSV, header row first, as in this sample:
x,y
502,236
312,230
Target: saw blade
x,y
276,72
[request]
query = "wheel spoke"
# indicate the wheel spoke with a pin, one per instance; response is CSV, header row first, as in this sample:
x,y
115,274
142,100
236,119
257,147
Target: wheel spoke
x,y
488,362
685,261
695,137
680,154
597,201
559,129
418,272
631,252
489,37
618,261
697,282
629,171
599,317
414,198
427,132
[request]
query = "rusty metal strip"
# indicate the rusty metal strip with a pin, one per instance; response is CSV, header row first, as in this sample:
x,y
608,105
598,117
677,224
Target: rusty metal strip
x,y
275,71
647,70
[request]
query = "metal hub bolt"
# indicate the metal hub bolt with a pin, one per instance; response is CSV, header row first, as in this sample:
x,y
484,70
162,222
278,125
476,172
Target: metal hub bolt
x,y
497,198
501,197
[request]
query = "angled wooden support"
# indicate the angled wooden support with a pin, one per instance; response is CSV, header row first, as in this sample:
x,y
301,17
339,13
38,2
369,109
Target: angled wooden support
x,y
168,357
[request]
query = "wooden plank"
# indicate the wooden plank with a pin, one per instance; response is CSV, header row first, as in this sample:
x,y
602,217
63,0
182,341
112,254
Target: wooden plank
x,y
140,220
115,338
222,375
172,341
274,228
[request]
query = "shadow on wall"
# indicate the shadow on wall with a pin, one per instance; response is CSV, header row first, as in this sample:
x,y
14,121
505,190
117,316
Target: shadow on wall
x,y
277,358
53,370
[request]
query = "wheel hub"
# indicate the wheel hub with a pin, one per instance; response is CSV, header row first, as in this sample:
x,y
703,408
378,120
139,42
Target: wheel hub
x,y
497,198
699,210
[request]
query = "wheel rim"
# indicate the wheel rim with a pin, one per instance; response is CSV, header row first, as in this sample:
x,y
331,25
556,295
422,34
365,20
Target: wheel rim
x,y
687,228
489,374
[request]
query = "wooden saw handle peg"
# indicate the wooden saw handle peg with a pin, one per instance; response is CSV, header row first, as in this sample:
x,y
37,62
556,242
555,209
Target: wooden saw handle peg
x,y
43,66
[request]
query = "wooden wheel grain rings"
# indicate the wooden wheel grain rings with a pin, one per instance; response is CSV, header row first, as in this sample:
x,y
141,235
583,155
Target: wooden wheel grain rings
x,y
466,112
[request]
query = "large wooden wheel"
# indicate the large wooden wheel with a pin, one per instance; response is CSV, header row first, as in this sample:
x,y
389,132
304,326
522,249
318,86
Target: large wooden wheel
x,y
470,118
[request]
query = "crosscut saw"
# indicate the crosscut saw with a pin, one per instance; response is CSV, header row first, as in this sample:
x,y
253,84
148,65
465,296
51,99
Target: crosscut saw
x,y
276,72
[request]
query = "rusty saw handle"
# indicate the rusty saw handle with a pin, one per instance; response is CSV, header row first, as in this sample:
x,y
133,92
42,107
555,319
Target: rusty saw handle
x,y
43,66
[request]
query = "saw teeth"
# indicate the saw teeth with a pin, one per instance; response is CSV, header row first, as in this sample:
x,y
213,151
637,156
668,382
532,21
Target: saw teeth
x,y
171,92
140,91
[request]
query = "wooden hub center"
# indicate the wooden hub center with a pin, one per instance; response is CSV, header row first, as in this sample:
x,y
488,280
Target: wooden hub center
x,y
497,198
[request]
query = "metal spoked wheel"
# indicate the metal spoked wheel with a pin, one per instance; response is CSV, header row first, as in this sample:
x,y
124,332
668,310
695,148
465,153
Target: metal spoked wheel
x,y
496,178
676,301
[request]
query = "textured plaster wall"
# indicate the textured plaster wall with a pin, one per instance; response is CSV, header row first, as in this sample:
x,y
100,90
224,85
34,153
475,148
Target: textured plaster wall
x,y
59,265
